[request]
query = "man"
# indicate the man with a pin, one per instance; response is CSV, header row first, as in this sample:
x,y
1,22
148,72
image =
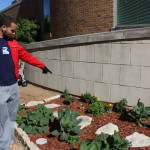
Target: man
x,y
10,52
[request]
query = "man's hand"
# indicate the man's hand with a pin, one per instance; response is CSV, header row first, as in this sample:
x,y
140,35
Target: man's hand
x,y
46,70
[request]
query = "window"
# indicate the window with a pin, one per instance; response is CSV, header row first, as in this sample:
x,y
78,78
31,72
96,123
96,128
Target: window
x,y
46,16
132,12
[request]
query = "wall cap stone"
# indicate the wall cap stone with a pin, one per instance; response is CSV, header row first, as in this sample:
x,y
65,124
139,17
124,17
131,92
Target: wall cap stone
x,y
127,34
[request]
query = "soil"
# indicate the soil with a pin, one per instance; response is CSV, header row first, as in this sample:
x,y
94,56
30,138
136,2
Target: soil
x,y
126,128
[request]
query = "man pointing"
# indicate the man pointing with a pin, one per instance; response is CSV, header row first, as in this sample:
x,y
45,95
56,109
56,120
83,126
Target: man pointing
x,y
10,52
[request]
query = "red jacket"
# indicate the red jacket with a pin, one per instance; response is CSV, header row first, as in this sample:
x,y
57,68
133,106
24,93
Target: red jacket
x,y
17,51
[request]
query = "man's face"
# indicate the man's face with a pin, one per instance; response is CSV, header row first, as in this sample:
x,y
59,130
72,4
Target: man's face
x,y
9,32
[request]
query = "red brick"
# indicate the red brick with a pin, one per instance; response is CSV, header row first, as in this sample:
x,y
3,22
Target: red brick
x,y
78,17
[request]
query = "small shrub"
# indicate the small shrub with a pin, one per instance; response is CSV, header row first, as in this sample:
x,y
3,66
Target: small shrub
x,y
27,31
69,99
2,14
88,98
74,139
65,93
96,108
120,107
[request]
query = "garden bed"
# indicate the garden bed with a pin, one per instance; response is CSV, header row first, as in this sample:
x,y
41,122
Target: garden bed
x,y
126,128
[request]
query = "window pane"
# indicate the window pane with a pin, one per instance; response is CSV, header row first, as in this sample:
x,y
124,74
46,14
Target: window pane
x,y
46,9
130,12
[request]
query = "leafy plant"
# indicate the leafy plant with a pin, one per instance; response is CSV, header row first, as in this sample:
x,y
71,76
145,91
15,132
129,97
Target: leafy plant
x,y
80,106
65,93
68,124
70,99
2,14
120,107
27,31
73,139
88,98
96,108
108,108
140,113
21,108
35,121
106,142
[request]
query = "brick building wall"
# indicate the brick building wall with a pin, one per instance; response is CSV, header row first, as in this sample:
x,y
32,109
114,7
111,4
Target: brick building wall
x,y
13,12
27,9
79,17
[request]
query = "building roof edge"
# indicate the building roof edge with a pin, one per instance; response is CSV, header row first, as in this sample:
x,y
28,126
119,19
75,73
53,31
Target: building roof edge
x,y
11,6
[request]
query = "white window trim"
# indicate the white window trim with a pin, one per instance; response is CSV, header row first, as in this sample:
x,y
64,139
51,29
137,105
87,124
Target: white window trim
x,y
115,13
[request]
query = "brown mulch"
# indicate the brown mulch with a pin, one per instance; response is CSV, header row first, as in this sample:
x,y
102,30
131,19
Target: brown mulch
x,y
126,128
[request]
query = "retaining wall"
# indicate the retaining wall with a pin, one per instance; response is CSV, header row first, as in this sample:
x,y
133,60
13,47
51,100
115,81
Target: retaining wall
x,y
113,65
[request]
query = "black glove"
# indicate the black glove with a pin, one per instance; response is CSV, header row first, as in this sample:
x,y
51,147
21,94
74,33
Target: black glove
x,y
46,70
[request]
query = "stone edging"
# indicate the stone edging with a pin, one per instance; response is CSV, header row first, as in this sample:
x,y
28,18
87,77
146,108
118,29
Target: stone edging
x,y
23,137
25,140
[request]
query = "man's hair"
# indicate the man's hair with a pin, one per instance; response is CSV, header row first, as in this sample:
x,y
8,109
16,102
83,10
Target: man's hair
x,y
7,20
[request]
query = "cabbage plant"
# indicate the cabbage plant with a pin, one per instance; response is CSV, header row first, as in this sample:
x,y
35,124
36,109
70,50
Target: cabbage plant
x,y
67,124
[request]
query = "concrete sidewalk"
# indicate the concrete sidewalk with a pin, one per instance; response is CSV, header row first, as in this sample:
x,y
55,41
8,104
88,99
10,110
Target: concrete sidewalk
x,y
17,145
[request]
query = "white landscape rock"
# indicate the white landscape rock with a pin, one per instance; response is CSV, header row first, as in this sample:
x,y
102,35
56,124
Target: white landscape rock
x,y
52,105
55,114
51,98
33,103
138,140
85,121
108,128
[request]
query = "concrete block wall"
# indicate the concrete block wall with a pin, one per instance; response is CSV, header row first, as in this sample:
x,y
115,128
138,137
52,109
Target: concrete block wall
x,y
112,70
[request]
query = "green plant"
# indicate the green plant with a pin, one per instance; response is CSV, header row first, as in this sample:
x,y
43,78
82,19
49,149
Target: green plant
x,y
70,99
80,106
140,113
21,108
65,93
2,14
120,107
73,139
27,31
68,124
108,108
106,142
35,121
88,98
96,108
